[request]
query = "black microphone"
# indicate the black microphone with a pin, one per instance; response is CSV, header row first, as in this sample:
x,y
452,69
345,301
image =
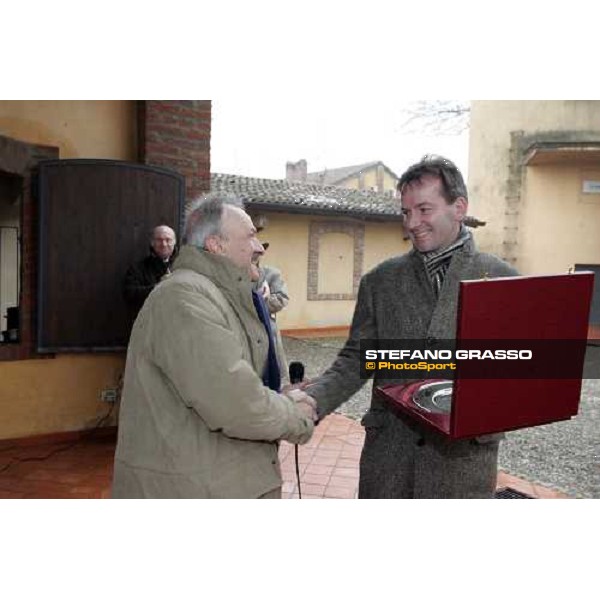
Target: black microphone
x,y
296,372
297,376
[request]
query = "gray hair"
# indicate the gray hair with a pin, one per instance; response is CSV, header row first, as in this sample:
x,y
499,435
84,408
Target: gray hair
x,y
205,215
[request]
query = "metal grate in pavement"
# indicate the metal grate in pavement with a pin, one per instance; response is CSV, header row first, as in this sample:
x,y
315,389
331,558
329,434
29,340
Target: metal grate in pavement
x,y
508,493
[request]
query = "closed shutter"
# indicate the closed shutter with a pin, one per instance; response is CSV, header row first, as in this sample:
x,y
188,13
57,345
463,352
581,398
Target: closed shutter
x,y
95,216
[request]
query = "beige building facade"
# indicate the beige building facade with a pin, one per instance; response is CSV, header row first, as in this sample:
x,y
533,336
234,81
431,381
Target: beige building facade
x,y
534,177
322,259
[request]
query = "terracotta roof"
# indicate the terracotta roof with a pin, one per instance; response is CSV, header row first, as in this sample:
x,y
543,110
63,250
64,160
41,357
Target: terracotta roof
x,y
334,176
294,197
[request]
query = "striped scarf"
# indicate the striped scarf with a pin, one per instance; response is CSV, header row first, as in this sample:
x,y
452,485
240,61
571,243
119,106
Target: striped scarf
x,y
438,261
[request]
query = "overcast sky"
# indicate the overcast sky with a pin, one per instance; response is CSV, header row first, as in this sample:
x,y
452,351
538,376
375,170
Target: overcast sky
x,y
257,136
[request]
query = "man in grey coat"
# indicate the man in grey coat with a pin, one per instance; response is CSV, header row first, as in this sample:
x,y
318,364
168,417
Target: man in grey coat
x,y
414,296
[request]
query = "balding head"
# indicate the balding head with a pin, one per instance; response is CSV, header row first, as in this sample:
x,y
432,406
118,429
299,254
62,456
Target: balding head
x,y
163,241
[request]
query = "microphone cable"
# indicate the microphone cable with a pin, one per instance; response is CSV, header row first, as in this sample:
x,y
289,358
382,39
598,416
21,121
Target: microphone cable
x,y
297,471
296,373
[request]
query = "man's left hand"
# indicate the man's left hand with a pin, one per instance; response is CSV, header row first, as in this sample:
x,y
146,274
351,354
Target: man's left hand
x,y
265,290
301,397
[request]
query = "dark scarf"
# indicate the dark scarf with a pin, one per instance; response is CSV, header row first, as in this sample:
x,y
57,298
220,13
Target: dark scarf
x,y
438,261
272,376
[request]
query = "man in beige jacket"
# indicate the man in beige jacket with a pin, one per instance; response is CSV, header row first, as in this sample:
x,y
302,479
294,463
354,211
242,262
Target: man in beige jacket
x,y
199,417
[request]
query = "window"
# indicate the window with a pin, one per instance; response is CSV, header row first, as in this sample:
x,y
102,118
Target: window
x,y
18,214
11,191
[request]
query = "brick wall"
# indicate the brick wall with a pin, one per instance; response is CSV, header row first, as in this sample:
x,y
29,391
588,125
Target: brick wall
x,y
175,134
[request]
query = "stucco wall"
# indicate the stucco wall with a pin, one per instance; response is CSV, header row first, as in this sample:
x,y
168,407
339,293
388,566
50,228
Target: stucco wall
x,y
79,128
288,238
382,241
559,224
56,394
533,217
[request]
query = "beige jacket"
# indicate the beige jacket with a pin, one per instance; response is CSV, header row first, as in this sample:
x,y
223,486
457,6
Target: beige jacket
x,y
196,420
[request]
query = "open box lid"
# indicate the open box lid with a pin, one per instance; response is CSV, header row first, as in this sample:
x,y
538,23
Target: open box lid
x,y
529,309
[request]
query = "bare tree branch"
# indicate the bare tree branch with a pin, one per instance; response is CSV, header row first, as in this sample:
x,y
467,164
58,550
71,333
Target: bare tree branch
x,y
437,117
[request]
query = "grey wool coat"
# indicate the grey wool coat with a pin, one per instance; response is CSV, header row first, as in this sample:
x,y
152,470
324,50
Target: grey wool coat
x,y
400,457
196,420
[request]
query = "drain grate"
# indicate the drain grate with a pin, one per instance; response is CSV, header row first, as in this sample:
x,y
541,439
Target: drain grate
x,y
508,493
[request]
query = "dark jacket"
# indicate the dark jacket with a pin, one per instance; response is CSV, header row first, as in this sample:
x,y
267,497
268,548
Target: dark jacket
x,y
141,278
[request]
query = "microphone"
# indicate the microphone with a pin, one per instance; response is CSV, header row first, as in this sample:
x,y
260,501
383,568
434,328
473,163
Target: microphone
x,y
297,376
296,372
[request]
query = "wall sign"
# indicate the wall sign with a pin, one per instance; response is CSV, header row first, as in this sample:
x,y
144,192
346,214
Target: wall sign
x,y
591,186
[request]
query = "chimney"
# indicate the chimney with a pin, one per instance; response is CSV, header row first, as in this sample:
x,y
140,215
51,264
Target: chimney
x,y
296,171
380,189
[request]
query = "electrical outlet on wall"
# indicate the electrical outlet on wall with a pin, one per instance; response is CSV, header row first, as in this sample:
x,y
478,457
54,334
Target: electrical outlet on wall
x,y
108,395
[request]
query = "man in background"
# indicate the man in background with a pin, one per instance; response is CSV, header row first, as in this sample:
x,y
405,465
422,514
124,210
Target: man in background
x,y
141,277
273,289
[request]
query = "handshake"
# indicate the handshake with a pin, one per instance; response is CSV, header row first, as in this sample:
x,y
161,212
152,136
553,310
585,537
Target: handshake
x,y
307,404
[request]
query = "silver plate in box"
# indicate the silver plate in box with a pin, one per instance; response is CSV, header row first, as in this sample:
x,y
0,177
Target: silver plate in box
x,y
434,397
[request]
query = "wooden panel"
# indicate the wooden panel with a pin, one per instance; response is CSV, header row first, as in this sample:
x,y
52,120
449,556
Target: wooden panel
x,y
94,221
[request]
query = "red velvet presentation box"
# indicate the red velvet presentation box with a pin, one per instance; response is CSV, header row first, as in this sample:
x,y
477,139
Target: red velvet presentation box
x,y
554,307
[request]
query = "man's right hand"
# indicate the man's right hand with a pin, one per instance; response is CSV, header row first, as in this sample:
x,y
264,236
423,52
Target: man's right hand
x,y
308,411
